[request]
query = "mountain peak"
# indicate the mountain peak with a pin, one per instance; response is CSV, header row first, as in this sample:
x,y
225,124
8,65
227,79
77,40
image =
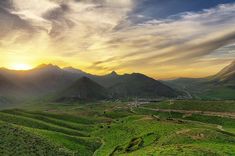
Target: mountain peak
x,y
227,74
83,89
69,68
47,66
113,73
73,70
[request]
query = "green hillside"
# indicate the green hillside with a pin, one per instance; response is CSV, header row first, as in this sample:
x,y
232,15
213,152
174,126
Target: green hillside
x,y
17,141
119,128
68,136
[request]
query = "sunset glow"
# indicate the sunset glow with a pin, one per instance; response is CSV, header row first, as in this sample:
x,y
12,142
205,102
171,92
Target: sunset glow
x,y
20,66
169,40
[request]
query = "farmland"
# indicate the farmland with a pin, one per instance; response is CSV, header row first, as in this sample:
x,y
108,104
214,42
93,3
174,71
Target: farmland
x,y
118,128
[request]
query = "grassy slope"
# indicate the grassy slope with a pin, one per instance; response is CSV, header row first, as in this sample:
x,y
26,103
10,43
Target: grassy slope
x,y
57,121
200,105
16,141
218,93
72,136
121,133
78,145
163,137
194,141
80,128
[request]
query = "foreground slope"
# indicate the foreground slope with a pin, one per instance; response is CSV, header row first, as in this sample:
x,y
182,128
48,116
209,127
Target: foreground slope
x,y
16,141
114,128
37,133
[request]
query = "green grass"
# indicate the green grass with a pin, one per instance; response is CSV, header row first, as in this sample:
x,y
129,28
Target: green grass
x,y
200,105
194,141
16,141
112,128
226,123
81,146
33,123
218,93
72,134
46,118
120,134
160,115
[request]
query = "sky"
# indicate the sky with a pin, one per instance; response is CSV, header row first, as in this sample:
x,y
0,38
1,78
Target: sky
x,y
161,38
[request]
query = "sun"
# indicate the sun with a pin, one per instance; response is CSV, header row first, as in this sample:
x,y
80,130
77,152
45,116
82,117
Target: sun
x,y
20,66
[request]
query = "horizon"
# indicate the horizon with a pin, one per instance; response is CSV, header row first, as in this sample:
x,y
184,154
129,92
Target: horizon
x,y
21,69
161,39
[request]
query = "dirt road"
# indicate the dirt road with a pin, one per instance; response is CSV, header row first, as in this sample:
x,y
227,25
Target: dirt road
x,y
208,113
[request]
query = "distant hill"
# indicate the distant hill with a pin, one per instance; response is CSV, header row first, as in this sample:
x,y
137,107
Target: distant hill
x,y
75,71
134,85
107,80
117,86
6,86
139,85
41,80
226,76
83,89
50,79
218,86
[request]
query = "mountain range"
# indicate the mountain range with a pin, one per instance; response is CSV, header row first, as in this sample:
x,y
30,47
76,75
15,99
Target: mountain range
x,y
74,84
83,89
70,83
218,86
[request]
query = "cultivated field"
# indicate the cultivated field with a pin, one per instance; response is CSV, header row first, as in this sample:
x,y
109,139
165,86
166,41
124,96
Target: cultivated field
x,y
119,128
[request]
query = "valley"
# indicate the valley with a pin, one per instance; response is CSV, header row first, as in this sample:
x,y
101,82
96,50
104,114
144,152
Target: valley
x,y
64,111
118,128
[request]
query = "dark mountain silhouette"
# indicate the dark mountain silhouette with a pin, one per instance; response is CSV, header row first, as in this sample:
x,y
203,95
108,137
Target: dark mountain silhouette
x,y
49,79
75,71
41,80
139,85
83,89
107,80
6,86
133,85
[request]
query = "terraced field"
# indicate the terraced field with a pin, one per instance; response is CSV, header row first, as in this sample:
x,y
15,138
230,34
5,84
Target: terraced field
x,y
115,128
67,135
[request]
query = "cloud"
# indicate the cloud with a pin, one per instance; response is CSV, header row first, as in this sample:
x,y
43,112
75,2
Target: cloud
x,y
12,28
189,37
103,35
